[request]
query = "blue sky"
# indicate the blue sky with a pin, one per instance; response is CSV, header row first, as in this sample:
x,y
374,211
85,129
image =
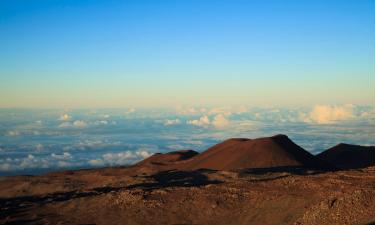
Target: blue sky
x,y
58,54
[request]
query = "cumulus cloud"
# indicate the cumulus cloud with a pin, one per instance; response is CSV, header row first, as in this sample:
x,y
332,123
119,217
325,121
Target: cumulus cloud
x,y
101,122
203,121
65,117
64,156
172,122
37,162
130,111
39,147
31,162
5,167
368,113
120,158
65,125
220,121
79,124
75,124
326,114
13,133
96,162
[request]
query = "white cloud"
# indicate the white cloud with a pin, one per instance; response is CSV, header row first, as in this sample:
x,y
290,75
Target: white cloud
x,y
64,156
38,161
325,114
5,167
65,117
120,158
175,147
13,133
369,113
39,147
172,122
80,124
220,121
76,124
190,110
65,125
130,111
203,121
96,162
101,122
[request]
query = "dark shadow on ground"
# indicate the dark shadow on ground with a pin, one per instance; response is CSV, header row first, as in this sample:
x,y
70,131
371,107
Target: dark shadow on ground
x,y
18,206
176,178
371,223
294,170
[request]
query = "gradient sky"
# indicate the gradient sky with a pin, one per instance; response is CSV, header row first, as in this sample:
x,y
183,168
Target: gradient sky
x,y
197,52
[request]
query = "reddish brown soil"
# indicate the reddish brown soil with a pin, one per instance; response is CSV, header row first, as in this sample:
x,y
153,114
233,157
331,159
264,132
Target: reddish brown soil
x,y
117,196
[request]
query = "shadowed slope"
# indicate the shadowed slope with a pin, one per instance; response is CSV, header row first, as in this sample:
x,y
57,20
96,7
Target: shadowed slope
x,y
347,156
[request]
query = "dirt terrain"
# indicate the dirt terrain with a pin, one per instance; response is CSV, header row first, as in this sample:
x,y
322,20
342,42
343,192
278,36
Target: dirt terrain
x,y
163,190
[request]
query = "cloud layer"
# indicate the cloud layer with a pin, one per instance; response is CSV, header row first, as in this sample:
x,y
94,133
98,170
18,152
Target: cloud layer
x,y
51,140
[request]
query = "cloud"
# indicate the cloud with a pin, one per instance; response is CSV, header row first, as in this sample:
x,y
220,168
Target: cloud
x,y
38,162
130,111
80,124
13,133
5,167
368,113
101,122
326,114
190,110
65,125
176,147
203,121
39,147
120,158
96,162
220,121
76,124
65,117
64,156
172,122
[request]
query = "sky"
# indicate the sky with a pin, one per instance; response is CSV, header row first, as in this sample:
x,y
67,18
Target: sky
x,y
118,54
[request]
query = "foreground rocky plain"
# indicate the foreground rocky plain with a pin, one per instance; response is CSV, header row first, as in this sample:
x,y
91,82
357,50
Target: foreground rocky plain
x,y
239,181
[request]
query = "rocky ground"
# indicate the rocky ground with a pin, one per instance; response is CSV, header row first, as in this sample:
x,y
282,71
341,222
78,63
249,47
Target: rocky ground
x,y
141,195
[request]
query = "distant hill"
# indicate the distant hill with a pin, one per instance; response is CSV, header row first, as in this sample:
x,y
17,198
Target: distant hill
x,y
166,159
346,156
238,153
242,153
